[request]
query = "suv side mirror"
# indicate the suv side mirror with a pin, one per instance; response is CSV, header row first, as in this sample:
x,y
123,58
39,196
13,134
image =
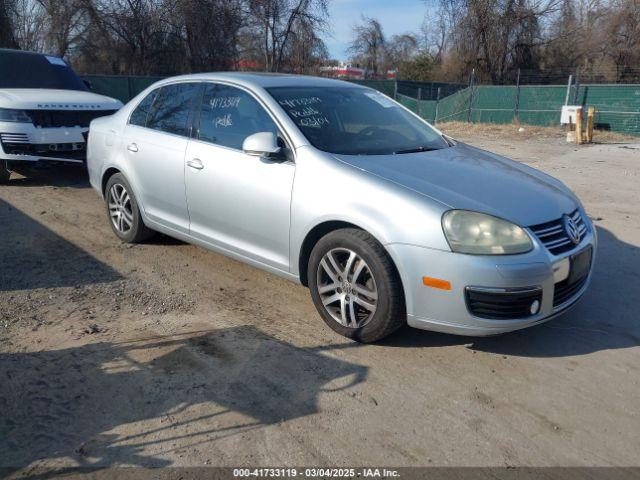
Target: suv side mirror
x,y
263,144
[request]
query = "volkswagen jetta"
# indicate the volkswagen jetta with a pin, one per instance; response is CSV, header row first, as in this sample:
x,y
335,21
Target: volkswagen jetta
x,y
336,186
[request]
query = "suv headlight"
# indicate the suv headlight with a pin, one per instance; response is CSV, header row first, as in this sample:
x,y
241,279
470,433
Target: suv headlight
x,y
11,115
482,234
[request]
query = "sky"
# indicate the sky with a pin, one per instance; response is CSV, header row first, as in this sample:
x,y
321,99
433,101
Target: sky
x,y
396,16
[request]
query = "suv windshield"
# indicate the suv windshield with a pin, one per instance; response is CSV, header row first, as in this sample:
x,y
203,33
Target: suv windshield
x,y
355,121
32,70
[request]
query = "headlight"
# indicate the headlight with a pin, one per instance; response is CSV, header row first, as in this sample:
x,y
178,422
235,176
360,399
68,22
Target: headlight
x,y
482,234
11,115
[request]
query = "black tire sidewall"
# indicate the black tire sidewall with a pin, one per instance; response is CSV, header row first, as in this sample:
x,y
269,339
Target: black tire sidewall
x,y
136,231
387,306
5,174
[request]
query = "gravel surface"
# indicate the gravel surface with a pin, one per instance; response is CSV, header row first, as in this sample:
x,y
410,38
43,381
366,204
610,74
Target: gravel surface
x,y
165,354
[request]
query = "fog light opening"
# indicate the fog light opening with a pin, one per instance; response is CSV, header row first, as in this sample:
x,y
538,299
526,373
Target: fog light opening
x,y
535,307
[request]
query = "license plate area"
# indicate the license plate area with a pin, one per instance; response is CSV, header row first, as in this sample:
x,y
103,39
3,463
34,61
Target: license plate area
x,y
580,264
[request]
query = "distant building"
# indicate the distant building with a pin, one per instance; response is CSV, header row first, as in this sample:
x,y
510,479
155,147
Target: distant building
x,y
344,71
348,71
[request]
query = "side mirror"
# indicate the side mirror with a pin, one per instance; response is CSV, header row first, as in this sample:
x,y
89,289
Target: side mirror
x,y
263,144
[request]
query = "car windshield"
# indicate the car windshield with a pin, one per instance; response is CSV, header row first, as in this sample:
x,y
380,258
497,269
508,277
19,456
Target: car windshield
x,y
30,70
355,121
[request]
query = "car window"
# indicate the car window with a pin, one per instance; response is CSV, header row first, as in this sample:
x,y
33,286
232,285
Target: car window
x,y
32,70
171,109
228,115
139,115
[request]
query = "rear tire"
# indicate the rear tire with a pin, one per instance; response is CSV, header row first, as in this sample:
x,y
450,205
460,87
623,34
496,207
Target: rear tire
x,y
4,172
355,286
123,212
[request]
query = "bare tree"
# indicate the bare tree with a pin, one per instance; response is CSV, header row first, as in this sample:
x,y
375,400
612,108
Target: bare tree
x,y
65,22
623,39
29,22
306,52
274,22
206,47
7,38
132,33
367,44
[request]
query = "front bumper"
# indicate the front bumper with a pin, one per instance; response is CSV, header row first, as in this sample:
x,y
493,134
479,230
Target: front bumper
x,y
25,143
448,311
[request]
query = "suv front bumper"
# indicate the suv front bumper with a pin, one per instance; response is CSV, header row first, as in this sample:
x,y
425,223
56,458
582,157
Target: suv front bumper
x,y
21,142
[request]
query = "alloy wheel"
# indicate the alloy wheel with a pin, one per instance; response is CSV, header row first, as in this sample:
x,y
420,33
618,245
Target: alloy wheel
x,y
347,287
120,209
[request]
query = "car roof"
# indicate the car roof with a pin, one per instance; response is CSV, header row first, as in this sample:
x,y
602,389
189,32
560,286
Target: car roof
x,y
264,80
23,52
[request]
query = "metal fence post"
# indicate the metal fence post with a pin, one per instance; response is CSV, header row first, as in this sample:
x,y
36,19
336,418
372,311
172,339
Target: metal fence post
x,y
435,119
471,83
395,90
576,91
517,103
566,98
130,88
419,100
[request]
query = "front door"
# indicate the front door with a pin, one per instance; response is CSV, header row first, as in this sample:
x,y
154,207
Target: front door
x,y
238,202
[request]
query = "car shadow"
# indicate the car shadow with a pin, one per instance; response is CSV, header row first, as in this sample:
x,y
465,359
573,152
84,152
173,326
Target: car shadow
x,y
70,176
605,319
197,387
33,256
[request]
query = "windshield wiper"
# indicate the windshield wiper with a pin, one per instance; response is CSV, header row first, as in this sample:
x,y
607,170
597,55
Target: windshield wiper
x,y
416,149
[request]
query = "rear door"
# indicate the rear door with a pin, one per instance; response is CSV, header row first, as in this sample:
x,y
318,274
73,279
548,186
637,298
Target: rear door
x,y
155,142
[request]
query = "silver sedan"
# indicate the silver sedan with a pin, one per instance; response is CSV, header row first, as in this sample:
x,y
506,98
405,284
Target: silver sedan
x,y
336,186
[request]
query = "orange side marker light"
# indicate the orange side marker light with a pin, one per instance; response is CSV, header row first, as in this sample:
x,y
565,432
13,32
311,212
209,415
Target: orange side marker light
x,y
436,283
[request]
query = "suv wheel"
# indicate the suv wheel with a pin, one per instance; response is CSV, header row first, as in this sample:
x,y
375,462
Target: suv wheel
x,y
4,172
124,214
355,286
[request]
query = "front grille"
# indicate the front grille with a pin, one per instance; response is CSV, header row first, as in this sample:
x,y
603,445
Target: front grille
x,y
554,236
10,138
564,290
65,118
503,304
20,146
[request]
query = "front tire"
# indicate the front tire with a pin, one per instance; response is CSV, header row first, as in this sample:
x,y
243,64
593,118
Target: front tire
x,y
4,172
123,212
355,286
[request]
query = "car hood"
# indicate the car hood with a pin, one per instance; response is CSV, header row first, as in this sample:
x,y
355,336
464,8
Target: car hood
x,y
468,178
49,99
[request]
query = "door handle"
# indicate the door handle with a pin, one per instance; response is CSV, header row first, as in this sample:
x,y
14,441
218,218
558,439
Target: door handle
x,y
195,163
132,147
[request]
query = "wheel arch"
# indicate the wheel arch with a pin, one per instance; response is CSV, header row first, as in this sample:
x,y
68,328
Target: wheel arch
x,y
108,173
320,230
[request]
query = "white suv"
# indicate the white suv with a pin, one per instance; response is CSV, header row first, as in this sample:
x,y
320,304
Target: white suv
x,y
45,110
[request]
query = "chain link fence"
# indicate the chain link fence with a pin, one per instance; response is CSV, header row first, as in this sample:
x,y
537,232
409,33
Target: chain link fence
x,y
617,105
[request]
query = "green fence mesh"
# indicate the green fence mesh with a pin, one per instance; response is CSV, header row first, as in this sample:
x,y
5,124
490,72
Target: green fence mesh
x,y
124,88
617,106
385,86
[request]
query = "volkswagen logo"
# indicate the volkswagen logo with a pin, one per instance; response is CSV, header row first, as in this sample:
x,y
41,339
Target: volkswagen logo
x,y
571,227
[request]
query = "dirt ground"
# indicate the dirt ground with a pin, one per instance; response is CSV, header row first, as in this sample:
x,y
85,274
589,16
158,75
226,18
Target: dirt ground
x,y
165,354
